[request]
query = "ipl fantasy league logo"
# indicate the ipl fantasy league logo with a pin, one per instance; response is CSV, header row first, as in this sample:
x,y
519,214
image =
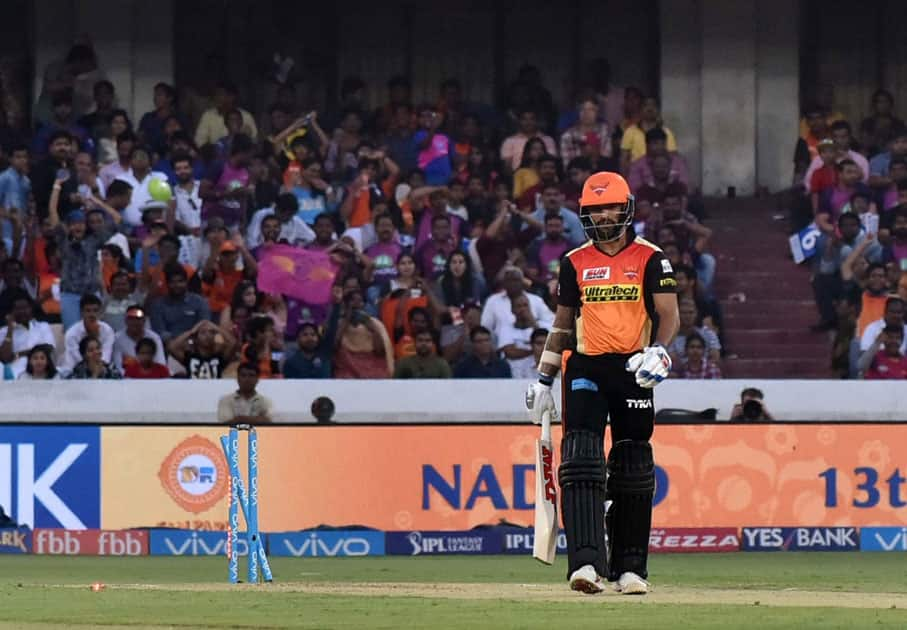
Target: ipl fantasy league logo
x,y
194,474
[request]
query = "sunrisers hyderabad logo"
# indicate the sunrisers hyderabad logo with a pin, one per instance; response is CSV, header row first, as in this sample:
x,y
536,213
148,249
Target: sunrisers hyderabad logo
x,y
194,474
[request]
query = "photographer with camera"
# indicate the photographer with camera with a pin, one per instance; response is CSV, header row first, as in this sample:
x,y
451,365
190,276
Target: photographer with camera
x,y
750,408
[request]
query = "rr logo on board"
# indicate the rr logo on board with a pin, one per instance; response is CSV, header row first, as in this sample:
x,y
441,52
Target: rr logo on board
x,y
194,474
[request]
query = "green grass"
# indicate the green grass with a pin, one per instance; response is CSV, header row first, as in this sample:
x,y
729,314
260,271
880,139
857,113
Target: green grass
x,y
33,591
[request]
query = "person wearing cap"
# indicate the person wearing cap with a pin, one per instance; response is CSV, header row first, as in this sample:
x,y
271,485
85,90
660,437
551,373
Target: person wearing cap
x,y
220,274
616,294
79,253
825,176
126,341
139,177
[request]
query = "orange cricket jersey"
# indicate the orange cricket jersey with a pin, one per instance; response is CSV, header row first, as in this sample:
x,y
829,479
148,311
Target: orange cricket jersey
x,y
613,295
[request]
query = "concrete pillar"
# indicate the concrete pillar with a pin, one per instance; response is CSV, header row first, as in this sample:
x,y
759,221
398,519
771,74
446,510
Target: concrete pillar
x,y
777,91
730,90
133,41
681,86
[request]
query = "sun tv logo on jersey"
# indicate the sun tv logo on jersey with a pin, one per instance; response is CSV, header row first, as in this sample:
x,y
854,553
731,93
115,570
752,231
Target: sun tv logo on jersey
x,y
194,474
597,273
612,293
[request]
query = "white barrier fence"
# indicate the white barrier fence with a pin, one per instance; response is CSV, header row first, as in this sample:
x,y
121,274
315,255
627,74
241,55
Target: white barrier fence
x,y
178,401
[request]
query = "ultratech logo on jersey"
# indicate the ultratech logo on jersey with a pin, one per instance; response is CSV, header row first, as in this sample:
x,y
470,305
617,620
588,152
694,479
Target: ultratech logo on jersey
x,y
695,539
194,474
612,293
597,273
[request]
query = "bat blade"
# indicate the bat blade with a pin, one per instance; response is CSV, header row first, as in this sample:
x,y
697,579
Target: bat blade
x,y
544,544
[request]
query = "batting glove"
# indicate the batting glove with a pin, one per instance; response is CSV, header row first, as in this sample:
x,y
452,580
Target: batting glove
x,y
540,401
651,366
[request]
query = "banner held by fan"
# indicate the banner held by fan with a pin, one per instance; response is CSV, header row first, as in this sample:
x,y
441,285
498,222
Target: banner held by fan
x,y
299,273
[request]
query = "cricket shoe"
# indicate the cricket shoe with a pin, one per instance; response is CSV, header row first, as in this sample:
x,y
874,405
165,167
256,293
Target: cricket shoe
x,y
631,584
586,580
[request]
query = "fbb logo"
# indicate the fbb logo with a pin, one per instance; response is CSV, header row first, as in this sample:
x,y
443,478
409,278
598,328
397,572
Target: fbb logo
x,y
194,474
90,542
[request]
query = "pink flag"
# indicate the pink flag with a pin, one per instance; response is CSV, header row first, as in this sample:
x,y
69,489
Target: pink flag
x,y
299,273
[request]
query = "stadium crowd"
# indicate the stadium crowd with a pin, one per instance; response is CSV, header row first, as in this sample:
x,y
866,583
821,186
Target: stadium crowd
x,y
439,227
853,187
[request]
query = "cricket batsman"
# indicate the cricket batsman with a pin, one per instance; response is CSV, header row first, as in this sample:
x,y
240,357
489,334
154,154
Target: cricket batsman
x,y
617,294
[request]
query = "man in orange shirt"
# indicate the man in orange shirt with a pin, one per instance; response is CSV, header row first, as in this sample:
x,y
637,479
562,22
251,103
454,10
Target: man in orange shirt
x,y
617,293
220,275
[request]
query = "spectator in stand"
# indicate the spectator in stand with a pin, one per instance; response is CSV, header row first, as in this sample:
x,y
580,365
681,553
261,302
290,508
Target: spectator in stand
x,y
13,281
866,284
220,274
125,344
225,189
178,311
814,127
425,363
293,230
145,366
552,205
15,190
633,143
690,236
315,196
89,326
40,364
896,191
531,199
881,127
431,256
455,335
260,346
437,199
188,203
578,171
589,131
139,177
459,284
79,253
126,144
180,144
362,347
384,255
688,318
826,176
92,364
836,201
498,311
889,363
500,241
57,167
211,126
709,310
22,333
896,249
527,175
398,139
151,125
697,365
843,138
544,254
62,120
376,179
342,158
658,167
315,357
870,335
434,148
204,351
514,339
98,121
233,123
512,148
482,361
118,299
880,165
107,141
827,282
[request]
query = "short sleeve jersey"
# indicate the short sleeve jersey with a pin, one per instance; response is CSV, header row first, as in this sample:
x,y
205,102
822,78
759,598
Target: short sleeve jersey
x,y
613,295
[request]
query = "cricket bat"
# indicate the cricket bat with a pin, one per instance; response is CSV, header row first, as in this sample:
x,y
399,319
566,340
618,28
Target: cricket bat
x,y
544,545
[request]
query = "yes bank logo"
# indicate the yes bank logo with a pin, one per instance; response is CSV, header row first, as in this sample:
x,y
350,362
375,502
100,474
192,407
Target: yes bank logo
x,y
50,476
320,543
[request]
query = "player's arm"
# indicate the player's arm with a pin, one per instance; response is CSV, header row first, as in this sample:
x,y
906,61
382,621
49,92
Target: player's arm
x,y
668,318
653,364
559,338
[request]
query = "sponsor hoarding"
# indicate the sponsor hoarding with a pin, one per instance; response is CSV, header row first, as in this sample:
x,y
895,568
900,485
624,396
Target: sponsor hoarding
x,y
50,475
800,539
694,539
883,539
90,542
405,478
426,543
326,543
15,540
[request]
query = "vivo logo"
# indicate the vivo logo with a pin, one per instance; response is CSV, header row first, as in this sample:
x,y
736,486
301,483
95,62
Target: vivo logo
x,y
315,546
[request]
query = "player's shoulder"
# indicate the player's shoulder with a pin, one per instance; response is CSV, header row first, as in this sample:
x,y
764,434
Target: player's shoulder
x,y
640,241
578,253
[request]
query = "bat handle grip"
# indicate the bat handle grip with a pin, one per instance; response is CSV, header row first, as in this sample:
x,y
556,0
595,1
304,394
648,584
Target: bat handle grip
x,y
546,426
